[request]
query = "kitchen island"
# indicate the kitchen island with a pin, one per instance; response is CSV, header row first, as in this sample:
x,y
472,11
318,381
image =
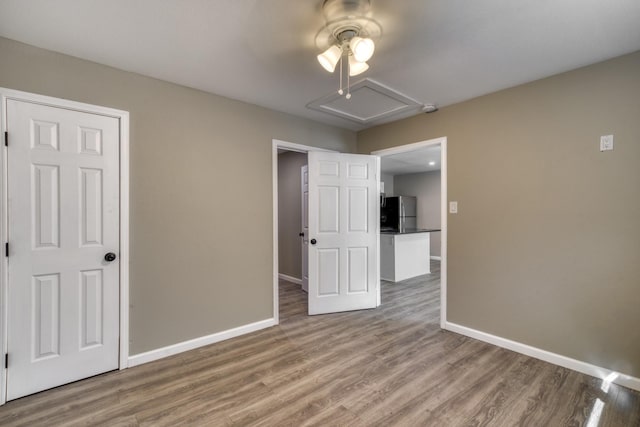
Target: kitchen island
x,y
405,253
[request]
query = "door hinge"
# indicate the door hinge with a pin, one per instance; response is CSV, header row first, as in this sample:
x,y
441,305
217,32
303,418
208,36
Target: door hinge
x,y
6,139
6,360
6,249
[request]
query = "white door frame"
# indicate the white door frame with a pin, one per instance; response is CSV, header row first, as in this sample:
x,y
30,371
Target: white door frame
x,y
123,117
289,146
443,208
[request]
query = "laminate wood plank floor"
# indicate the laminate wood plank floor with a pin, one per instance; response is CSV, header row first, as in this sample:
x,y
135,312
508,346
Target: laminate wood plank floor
x,y
392,366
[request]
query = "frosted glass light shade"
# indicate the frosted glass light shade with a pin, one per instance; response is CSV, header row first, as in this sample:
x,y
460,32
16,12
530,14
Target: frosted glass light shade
x,y
362,48
356,67
330,57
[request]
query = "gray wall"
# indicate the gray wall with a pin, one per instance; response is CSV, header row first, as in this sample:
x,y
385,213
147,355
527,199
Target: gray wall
x,y
545,249
426,187
196,267
388,180
289,213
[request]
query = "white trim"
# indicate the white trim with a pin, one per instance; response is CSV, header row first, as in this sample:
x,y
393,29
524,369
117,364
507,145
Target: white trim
x,y
436,258
378,189
547,356
289,146
292,146
290,279
443,209
181,347
4,263
124,241
409,147
444,220
274,226
123,117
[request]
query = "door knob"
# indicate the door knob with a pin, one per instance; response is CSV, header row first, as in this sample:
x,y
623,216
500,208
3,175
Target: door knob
x,y
110,257
313,241
301,234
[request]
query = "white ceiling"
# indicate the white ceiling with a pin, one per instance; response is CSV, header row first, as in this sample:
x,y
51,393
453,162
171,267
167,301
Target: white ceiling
x,y
414,161
263,52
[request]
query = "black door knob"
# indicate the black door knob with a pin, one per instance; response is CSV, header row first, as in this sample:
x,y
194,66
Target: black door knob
x,y
110,257
301,234
313,241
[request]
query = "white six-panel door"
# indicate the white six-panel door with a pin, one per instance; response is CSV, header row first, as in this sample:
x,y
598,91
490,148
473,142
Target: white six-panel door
x,y
63,217
304,242
343,232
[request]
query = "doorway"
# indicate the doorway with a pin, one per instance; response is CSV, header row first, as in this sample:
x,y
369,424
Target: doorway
x,y
418,158
287,216
65,263
291,217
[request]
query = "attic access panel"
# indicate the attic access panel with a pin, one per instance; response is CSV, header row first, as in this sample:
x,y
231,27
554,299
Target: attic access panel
x,y
370,102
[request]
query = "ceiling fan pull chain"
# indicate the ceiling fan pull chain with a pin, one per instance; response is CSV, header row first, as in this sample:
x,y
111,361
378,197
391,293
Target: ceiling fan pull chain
x,y
348,80
340,92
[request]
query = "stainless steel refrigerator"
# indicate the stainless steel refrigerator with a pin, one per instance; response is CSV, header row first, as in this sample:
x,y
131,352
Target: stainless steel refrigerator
x,y
398,213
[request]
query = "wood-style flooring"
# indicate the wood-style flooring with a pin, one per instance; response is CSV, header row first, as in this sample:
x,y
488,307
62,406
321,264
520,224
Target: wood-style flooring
x,y
392,366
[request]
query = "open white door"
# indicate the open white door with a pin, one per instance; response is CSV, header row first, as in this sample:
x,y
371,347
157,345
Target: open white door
x,y
343,232
304,210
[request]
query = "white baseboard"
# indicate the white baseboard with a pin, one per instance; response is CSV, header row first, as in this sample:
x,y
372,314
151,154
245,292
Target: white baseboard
x,y
547,356
437,258
290,279
160,353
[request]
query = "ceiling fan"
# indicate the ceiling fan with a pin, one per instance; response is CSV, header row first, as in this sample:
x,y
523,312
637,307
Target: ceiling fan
x,y
347,37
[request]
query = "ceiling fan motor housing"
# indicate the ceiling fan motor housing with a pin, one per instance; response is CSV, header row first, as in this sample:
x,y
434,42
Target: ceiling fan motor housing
x,y
341,9
346,19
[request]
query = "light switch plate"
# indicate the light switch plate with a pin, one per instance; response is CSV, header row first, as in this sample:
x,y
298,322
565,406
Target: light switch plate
x,y
606,142
453,207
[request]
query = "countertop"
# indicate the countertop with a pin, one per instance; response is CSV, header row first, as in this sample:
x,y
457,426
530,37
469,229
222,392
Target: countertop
x,y
409,231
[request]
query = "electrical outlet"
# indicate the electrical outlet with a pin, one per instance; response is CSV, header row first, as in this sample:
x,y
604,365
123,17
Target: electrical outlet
x,y
606,142
453,207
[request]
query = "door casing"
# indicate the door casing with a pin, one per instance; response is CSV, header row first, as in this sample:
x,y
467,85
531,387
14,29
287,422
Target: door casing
x,y
123,117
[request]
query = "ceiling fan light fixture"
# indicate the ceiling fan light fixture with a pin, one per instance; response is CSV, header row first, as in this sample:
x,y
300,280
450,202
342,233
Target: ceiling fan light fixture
x,y
356,67
330,57
362,48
